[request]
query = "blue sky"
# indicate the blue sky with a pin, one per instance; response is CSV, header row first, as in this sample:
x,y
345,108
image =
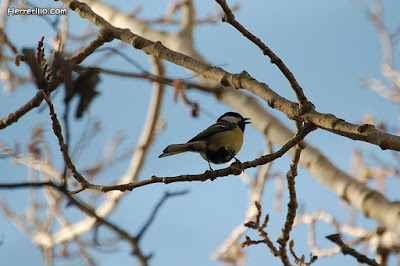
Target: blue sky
x,y
328,47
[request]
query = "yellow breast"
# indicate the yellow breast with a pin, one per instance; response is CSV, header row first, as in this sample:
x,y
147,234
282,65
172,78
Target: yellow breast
x,y
231,139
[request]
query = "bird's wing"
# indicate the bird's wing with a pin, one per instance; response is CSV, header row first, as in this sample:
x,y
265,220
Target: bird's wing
x,y
216,128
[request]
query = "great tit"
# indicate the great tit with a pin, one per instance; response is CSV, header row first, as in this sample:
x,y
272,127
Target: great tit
x,y
217,144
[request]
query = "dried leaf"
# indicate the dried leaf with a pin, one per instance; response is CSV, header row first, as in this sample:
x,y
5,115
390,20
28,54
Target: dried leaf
x,y
85,87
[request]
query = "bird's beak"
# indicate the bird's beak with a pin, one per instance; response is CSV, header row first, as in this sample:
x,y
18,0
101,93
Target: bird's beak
x,y
247,122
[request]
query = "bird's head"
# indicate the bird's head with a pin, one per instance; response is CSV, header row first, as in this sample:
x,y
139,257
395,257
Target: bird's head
x,y
235,118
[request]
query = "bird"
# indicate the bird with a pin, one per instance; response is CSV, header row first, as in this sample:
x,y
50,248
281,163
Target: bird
x,y
217,144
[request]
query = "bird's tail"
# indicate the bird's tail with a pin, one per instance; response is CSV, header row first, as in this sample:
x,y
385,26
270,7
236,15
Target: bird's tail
x,y
179,148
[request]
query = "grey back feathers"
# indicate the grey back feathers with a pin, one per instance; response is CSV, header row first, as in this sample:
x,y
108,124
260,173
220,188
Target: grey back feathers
x,y
197,146
216,128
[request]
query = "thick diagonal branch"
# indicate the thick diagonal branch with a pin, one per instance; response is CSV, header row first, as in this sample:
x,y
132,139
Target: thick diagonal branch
x,y
367,133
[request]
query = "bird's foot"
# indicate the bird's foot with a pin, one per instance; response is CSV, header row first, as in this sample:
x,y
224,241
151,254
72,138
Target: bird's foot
x,y
237,167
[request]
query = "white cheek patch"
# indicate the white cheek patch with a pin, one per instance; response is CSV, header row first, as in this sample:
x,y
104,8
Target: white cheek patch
x,y
231,119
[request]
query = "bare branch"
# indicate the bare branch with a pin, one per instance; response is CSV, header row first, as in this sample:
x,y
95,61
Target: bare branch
x,y
33,163
388,44
154,78
100,220
291,214
63,147
209,19
367,133
361,234
217,173
112,199
230,18
156,209
346,250
27,185
56,80
300,261
13,117
229,250
292,205
261,232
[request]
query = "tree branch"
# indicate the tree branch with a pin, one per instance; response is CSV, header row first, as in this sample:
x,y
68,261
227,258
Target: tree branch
x,y
230,18
27,185
228,250
156,209
292,205
56,80
100,220
346,250
233,169
63,147
131,174
367,133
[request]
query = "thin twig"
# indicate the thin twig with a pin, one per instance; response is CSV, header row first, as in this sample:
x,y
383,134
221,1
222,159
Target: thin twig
x,y
261,232
55,81
228,250
281,252
346,250
367,133
292,206
27,185
230,18
63,147
301,261
156,209
153,78
100,220
146,138
201,177
217,173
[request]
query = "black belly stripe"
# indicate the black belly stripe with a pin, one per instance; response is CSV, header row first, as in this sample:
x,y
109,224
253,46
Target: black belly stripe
x,y
222,155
